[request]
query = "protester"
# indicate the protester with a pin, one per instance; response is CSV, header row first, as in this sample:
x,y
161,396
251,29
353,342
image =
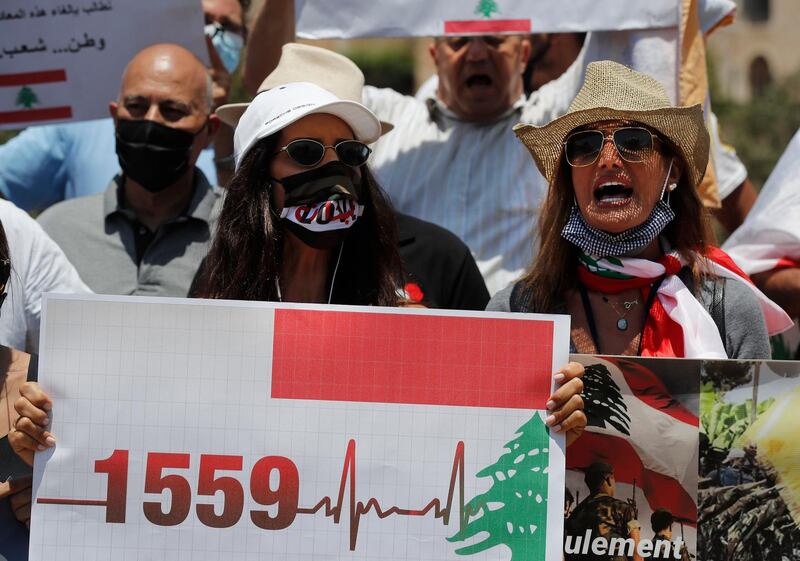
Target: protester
x,y
452,159
39,266
303,220
47,164
737,192
457,136
767,244
551,55
441,272
300,155
15,479
147,233
624,237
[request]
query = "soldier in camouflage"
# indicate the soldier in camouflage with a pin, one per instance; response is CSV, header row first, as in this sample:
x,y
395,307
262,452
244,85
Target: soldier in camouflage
x,y
605,517
661,521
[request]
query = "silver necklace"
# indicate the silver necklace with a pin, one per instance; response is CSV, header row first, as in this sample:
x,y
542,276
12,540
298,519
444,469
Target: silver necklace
x,y
622,323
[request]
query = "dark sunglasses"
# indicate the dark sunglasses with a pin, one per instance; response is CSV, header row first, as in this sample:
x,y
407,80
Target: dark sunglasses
x,y
634,144
309,153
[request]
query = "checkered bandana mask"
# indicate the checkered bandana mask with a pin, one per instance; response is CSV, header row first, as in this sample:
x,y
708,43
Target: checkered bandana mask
x,y
630,242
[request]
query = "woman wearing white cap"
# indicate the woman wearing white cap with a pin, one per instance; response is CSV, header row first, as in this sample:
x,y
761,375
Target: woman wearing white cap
x,y
303,218
625,244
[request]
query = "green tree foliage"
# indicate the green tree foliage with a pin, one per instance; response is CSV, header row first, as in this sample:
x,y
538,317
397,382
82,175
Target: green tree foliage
x,y
724,375
27,98
5,136
486,8
387,67
723,423
759,130
513,512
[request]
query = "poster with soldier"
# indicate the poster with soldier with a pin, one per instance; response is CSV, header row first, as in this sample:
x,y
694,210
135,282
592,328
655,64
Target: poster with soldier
x,y
749,488
633,487
632,476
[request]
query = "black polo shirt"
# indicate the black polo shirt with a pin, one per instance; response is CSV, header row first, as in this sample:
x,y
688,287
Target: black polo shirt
x,y
442,272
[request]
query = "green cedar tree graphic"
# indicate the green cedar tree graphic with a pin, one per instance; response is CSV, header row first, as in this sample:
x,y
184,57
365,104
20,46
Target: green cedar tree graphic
x,y
27,98
514,510
486,8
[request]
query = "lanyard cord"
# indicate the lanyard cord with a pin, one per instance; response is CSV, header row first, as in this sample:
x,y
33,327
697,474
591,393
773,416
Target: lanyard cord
x,y
335,270
587,309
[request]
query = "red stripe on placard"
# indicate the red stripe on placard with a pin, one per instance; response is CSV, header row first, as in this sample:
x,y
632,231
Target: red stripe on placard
x,y
660,490
30,78
32,115
487,26
412,359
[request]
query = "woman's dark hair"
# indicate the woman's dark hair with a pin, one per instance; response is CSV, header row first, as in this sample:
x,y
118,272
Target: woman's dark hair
x,y
5,264
245,256
555,268
5,254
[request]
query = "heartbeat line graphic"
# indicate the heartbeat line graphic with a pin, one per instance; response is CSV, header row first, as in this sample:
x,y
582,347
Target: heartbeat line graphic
x,y
116,466
359,508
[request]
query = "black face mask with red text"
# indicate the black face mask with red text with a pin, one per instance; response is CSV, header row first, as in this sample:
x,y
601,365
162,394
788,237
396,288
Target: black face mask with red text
x,y
321,204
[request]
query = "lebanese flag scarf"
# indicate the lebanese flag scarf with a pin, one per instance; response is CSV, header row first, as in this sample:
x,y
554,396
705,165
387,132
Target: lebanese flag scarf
x,y
678,325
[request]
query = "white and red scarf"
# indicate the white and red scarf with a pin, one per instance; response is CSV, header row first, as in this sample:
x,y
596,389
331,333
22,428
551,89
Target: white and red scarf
x,y
769,238
678,325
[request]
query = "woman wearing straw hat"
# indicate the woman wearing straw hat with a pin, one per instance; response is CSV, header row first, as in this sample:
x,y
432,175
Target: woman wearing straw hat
x,y
624,239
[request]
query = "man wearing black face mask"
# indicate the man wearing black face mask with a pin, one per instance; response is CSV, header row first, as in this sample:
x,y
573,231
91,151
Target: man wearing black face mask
x,y
147,233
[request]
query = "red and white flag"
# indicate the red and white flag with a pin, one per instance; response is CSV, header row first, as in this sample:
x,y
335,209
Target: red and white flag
x,y
28,93
769,238
639,428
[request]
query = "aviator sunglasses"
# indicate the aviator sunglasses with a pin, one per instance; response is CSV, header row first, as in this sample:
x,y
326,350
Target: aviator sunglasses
x,y
634,144
308,152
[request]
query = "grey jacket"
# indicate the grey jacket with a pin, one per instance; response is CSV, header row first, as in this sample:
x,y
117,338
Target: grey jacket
x,y
745,329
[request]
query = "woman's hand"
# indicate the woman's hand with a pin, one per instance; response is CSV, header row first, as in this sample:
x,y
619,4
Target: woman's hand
x,y
566,405
30,432
18,492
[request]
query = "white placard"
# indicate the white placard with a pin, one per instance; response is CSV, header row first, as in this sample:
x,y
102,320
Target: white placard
x,y
62,61
319,19
326,432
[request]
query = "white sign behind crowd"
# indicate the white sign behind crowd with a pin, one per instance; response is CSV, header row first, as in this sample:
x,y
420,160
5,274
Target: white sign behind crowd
x,y
421,18
62,61
643,35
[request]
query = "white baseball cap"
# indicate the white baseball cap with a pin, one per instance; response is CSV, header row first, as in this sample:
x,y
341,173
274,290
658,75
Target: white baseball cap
x,y
273,110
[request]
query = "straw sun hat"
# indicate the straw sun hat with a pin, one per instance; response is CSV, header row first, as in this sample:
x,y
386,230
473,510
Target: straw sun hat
x,y
612,91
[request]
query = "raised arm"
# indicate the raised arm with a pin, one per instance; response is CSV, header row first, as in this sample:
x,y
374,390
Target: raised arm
x,y
782,286
272,27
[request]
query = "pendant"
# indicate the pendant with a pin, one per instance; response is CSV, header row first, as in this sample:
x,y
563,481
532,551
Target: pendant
x,y
622,324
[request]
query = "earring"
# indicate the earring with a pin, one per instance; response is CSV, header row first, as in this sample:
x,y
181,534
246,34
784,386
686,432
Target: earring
x,y
672,186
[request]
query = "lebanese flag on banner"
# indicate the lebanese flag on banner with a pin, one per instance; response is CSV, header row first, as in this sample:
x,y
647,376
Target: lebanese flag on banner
x,y
635,425
29,90
769,238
